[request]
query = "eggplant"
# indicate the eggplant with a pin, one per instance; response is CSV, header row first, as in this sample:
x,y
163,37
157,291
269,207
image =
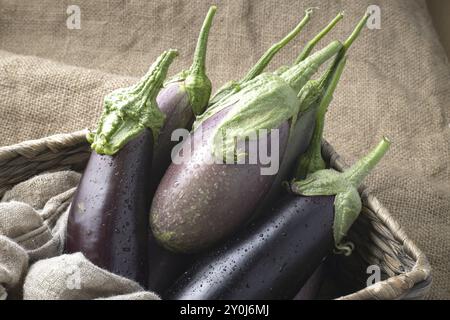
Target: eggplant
x,y
164,266
312,286
182,98
199,202
270,260
276,256
108,216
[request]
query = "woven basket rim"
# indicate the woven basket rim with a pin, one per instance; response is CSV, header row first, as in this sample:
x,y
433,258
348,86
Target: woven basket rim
x,y
30,148
396,287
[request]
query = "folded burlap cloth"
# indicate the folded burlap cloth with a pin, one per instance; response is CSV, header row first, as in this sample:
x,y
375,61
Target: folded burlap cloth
x,y
33,220
396,83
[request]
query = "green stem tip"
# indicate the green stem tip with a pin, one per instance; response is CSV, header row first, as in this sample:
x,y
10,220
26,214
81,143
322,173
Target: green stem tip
x,y
312,43
356,174
356,32
259,67
198,64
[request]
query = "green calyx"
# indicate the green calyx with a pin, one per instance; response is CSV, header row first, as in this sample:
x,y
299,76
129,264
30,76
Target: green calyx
x,y
265,102
195,81
197,84
258,68
347,203
128,111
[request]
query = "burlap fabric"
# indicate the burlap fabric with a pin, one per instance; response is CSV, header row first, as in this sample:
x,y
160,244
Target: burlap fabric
x,y
33,224
396,83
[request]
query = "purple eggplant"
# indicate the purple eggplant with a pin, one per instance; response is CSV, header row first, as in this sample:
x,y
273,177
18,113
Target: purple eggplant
x,y
275,257
165,266
181,99
266,261
199,201
312,286
108,217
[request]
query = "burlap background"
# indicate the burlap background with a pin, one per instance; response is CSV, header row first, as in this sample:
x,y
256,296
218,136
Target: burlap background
x,y
396,83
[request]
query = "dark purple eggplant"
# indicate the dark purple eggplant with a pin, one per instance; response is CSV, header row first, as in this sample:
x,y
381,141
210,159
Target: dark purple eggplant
x,y
199,202
311,288
108,218
276,256
266,261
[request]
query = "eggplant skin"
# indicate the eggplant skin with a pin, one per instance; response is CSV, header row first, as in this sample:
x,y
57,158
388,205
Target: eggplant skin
x,y
273,259
173,101
165,267
108,218
311,288
197,203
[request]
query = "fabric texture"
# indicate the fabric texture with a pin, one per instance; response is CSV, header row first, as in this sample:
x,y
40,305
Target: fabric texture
x,y
396,83
33,224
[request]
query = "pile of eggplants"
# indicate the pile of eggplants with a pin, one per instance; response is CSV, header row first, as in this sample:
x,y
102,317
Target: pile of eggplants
x,y
203,218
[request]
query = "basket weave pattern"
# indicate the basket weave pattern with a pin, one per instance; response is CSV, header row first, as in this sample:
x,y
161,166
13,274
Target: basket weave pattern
x,y
378,237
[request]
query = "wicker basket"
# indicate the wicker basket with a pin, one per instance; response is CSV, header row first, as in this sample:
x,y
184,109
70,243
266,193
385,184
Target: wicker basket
x,y
379,240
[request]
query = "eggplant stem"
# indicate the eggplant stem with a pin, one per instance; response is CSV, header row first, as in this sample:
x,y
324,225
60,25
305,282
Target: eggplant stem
x,y
356,32
151,82
330,88
356,173
311,161
312,43
298,75
344,248
259,67
326,100
127,111
198,65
